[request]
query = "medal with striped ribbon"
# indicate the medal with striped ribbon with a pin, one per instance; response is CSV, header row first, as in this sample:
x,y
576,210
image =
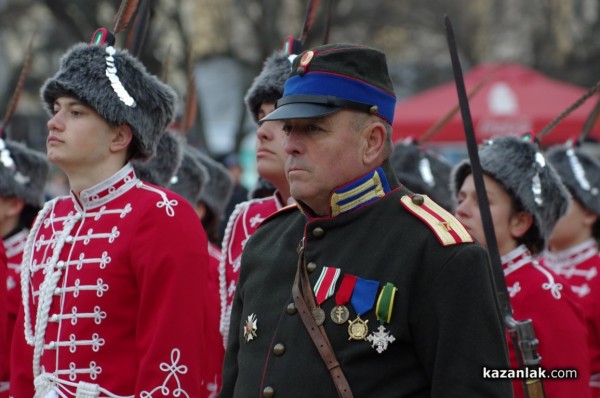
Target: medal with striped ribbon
x,y
324,289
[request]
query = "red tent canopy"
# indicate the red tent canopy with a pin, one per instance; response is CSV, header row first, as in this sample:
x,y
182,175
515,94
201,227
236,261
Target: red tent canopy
x,y
514,99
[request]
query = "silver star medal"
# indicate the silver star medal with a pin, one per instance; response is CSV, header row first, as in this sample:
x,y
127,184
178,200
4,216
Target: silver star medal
x,y
380,339
250,328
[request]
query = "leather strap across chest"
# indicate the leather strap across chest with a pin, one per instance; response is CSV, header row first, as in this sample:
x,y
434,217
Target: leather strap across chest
x,y
305,303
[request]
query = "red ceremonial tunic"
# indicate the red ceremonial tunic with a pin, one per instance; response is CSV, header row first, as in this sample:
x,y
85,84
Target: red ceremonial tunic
x,y
539,294
4,339
14,253
216,351
114,303
580,265
244,220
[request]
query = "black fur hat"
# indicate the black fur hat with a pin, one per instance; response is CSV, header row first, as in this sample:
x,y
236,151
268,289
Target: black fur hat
x,y
268,85
579,172
23,172
522,170
118,87
191,177
217,191
159,169
423,171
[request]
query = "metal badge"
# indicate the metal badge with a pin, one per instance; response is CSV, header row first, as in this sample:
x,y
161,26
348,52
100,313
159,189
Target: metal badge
x,y
380,339
319,315
358,329
250,327
340,314
306,58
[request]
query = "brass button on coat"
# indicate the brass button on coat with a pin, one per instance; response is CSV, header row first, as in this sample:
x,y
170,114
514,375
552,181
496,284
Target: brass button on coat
x,y
418,200
311,267
318,232
291,308
278,349
268,392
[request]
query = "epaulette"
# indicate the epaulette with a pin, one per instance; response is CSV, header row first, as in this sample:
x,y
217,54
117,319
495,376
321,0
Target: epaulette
x,y
448,230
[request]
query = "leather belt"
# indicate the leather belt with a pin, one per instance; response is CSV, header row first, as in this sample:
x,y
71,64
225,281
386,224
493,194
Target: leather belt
x,y
305,303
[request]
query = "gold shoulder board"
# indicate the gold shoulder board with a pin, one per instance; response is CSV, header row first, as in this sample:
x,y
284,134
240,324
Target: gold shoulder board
x,y
444,225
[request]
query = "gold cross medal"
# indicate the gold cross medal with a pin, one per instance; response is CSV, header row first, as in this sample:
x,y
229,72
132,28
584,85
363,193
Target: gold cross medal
x,y
324,289
381,339
363,299
250,328
340,314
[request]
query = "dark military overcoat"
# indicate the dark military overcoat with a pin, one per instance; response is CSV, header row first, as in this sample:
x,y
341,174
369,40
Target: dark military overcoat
x,y
444,319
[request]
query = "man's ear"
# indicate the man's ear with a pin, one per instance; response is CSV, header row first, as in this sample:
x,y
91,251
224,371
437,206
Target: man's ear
x,y
375,139
520,223
589,217
122,138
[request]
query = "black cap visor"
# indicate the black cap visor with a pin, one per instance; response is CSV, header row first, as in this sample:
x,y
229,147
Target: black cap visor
x,y
300,110
313,106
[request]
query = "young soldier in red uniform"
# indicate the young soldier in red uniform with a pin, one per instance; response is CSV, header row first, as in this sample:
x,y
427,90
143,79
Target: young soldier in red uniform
x,y
112,304
270,159
572,249
526,199
23,174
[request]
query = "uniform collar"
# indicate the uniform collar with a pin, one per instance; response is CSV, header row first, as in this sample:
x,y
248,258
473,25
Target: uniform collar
x,y
107,190
15,243
360,192
572,256
515,259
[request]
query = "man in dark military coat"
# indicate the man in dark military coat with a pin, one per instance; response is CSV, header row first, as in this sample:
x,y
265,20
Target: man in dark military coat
x,y
363,288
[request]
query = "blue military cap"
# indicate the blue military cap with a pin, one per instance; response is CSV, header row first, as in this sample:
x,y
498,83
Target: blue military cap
x,y
328,78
